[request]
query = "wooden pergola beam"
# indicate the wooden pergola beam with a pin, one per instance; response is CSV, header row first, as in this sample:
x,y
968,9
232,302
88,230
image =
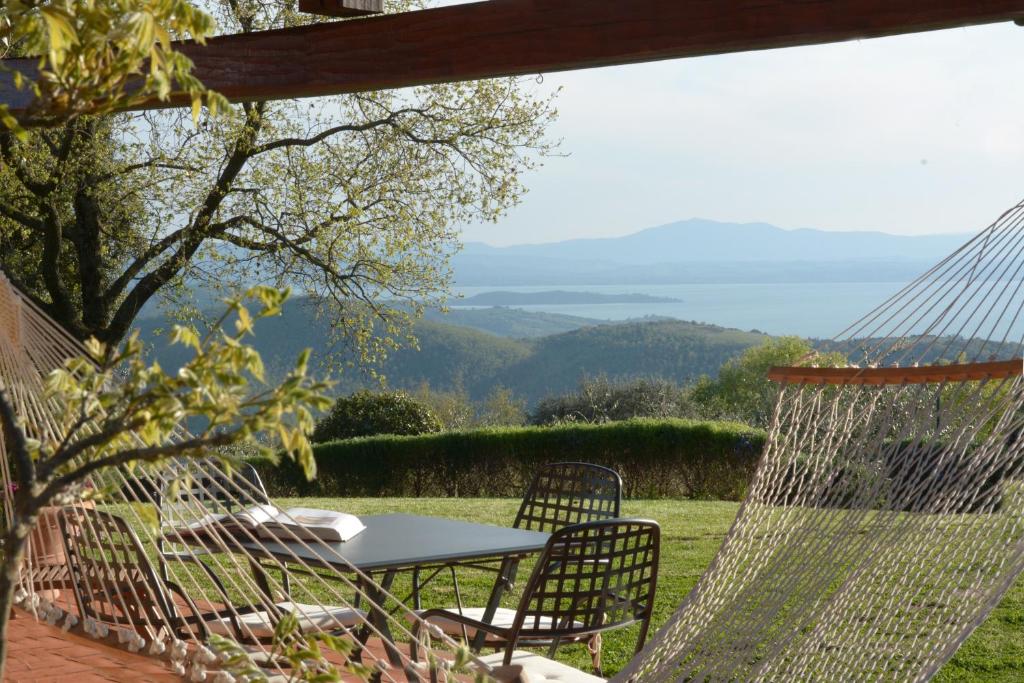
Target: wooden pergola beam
x,y
342,8
514,37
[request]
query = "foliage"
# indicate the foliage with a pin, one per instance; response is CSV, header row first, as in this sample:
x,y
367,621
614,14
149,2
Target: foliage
x,y
352,199
743,391
456,410
453,409
501,408
99,56
599,399
656,458
118,412
365,413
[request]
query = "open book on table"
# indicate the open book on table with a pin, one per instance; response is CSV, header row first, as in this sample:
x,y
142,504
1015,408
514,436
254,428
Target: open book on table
x,y
269,521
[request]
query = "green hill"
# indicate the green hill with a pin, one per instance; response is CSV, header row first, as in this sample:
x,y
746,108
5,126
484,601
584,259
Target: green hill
x,y
512,322
672,349
452,355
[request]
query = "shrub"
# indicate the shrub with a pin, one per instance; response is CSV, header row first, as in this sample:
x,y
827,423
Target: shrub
x,y
453,408
365,413
599,399
501,409
743,391
656,458
456,410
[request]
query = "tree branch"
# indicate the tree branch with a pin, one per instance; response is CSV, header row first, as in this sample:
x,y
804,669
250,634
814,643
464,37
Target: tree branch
x,y
344,128
18,166
71,451
18,216
194,235
124,279
52,277
17,445
147,454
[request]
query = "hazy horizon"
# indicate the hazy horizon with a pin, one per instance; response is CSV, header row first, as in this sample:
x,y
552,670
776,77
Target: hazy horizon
x,y
964,234
914,134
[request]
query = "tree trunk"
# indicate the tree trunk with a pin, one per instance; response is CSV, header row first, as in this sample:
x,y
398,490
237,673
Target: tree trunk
x,y
15,543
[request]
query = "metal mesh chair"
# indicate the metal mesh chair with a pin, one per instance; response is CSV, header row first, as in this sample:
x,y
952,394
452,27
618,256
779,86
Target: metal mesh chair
x,y
214,491
565,493
591,578
113,580
211,488
560,494
115,583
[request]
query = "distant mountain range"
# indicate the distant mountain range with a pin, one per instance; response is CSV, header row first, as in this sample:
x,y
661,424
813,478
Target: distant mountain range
x,y
705,251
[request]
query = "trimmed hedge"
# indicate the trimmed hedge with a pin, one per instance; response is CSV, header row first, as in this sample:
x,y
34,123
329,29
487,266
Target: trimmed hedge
x,y
656,458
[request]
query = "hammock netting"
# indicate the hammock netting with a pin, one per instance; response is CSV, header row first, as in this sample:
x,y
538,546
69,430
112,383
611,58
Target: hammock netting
x,y
883,525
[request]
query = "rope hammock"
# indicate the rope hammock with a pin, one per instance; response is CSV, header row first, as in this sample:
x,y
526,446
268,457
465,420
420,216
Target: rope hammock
x,y
883,525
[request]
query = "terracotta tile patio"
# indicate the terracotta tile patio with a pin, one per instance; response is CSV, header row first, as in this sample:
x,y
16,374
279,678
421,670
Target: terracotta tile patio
x,y
39,653
44,654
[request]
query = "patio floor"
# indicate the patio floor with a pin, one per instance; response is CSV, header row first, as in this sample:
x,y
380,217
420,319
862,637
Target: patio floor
x,y
44,654
39,653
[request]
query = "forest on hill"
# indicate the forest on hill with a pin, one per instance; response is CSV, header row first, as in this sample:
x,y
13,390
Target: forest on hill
x,y
453,356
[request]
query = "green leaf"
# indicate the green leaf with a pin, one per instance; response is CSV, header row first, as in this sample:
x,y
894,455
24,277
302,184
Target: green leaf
x,y
148,515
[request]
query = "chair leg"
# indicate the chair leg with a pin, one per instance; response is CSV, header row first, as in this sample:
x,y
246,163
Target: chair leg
x,y
286,583
458,602
594,648
414,643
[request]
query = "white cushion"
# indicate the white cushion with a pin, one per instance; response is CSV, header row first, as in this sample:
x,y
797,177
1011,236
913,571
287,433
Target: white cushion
x,y
311,618
503,618
540,669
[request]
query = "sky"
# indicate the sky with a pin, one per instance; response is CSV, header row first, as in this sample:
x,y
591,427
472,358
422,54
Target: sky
x,y
913,134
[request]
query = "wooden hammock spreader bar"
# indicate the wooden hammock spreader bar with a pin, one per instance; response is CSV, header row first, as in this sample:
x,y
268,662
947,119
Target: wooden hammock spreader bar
x,y
927,374
521,37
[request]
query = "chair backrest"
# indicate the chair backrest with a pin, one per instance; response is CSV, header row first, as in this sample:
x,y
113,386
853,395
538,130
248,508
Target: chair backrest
x,y
211,489
565,493
590,578
112,577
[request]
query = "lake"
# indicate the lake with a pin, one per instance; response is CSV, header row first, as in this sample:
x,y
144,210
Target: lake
x,y
806,309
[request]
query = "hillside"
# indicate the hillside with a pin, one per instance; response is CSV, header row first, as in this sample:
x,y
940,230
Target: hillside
x,y
452,355
512,322
672,349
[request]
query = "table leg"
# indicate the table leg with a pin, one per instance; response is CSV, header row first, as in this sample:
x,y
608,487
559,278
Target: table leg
x,y
378,617
506,579
259,574
417,602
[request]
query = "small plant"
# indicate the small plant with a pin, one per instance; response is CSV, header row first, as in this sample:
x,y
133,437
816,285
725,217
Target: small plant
x,y
365,413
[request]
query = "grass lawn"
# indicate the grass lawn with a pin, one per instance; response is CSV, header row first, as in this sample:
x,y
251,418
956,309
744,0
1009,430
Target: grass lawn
x,y
691,533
